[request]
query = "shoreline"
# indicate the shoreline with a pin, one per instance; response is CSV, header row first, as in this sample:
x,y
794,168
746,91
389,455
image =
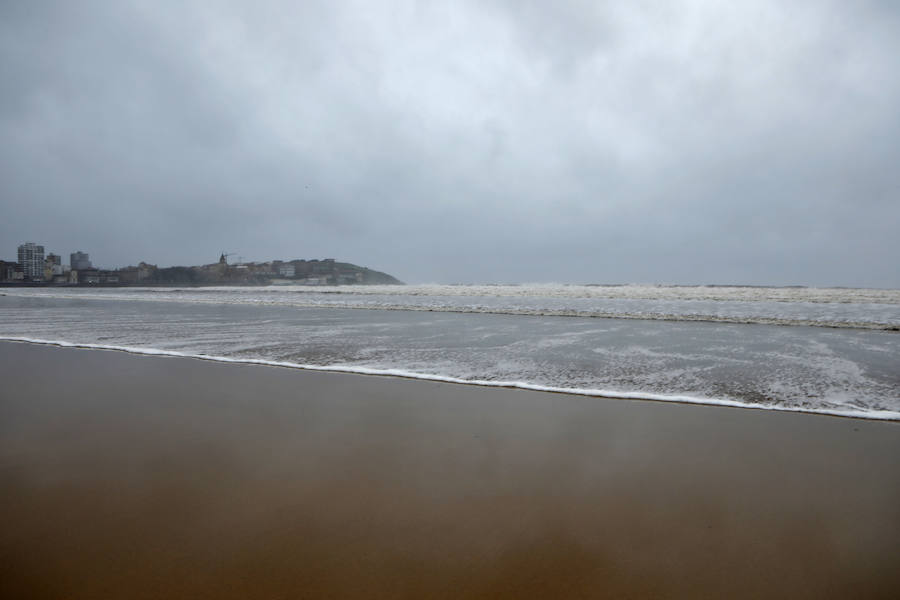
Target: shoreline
x,y
141,476
884,416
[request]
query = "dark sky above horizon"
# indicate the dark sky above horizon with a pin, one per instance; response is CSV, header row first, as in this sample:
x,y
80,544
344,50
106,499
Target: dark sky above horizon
x,y
474,141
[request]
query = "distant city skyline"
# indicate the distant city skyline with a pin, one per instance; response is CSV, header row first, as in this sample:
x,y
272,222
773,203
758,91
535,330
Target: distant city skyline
x,y
78,255
233,258
689,143
34,268
82,259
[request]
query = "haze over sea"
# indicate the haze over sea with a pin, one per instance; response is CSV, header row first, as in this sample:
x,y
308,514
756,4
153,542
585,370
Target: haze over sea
x,y
833,351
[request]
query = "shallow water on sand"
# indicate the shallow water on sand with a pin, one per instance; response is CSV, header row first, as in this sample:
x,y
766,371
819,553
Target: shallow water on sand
x,y
842,370
144,477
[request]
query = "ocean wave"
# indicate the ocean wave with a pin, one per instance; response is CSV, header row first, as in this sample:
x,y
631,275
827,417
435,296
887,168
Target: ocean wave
x,y
715,293
716,311
402,373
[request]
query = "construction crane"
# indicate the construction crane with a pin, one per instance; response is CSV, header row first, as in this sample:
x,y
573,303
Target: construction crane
x,y
223,259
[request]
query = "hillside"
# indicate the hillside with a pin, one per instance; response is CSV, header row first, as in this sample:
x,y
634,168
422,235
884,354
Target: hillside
x,y
298,272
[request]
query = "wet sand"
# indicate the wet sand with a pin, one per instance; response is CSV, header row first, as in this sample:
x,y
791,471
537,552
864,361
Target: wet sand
x,y
127,476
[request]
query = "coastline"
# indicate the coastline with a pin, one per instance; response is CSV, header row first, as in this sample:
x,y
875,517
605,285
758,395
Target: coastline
x,y
142,476
516,385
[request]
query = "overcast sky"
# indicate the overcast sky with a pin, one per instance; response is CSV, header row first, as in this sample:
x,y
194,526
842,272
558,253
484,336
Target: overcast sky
x,y
508,141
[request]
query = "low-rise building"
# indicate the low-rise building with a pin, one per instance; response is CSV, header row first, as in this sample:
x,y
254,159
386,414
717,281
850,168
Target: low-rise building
x,y
52,266
88,276
9,270
138,274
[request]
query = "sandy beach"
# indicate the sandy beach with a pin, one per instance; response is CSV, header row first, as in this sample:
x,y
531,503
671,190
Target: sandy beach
x,y
125,476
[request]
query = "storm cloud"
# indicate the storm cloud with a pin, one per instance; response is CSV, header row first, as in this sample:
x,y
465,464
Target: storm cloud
x,y
676,142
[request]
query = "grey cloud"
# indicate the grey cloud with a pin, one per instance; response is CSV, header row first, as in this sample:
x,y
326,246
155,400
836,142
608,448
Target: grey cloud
x,y
502,141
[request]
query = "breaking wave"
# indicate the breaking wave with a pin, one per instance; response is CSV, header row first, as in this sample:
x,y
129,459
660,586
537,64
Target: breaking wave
x,y
812,307
884,415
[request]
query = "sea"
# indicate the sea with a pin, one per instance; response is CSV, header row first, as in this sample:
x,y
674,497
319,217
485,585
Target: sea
x,y
832,351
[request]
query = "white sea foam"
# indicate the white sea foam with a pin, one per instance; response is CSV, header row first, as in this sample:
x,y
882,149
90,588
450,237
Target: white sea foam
x,y
545,290
614,394
817,307
794,368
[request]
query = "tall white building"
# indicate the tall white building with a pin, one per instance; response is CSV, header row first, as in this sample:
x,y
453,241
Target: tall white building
x,y
31,257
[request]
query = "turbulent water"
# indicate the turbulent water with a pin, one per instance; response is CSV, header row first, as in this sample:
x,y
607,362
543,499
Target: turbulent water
x,y
833,351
